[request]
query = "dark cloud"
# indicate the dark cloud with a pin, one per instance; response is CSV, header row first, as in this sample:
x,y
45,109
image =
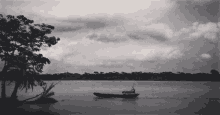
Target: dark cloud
x,y
200,11
135,37
93,36
87,23
95,24
67,29
107,38
147,35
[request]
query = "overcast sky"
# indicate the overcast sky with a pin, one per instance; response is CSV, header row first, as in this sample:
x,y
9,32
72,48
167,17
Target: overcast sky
x,y
127,35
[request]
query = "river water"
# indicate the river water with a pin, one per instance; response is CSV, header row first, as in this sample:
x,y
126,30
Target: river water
x,y
156,98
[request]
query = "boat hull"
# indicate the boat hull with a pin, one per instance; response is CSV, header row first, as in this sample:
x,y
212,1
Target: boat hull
x,y
107,95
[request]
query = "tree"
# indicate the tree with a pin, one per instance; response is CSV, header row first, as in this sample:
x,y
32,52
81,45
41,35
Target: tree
x,y
20,43
214,72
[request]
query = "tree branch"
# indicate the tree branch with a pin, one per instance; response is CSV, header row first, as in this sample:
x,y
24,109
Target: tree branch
x,y
26,100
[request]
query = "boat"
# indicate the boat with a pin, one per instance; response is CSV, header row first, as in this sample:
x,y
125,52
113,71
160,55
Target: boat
x,y
109,95
125,94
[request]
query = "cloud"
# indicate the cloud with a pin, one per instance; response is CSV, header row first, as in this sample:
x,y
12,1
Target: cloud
x,y
9,6
126,53
145,33
107,38
205,56
71,17
157,31
161,28
75,24
67,28
26,7
89,52
61,49
197,10
140,35
105,7
81,59
208,31
136,36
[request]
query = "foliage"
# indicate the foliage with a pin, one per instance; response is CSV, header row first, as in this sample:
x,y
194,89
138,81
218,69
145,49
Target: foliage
x,y
47,93
20,41
149,76
215,72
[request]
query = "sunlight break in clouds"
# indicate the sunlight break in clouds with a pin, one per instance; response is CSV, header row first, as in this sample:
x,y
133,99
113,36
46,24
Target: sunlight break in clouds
x,y
208,31
205,56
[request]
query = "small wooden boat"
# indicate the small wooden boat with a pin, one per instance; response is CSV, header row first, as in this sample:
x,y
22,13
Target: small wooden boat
x,y
109,95
125,94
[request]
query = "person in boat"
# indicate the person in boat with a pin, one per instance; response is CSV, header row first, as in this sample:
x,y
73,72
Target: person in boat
x,y
129,92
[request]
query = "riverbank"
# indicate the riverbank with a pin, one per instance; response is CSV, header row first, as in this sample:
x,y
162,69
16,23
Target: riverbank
x,y
28,109
116,106
10,106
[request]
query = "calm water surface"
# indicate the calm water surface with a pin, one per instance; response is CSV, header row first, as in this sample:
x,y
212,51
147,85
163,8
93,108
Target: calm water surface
x,y
156,98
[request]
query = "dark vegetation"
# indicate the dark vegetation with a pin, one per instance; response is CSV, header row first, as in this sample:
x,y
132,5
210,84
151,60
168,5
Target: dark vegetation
x,y
20,41
163,76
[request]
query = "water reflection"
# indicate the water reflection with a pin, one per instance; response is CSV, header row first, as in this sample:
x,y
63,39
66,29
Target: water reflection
x,y
97,98
132,101
122,100
101,98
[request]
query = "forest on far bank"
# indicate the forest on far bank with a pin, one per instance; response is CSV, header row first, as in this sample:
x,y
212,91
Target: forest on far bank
x,y
142,76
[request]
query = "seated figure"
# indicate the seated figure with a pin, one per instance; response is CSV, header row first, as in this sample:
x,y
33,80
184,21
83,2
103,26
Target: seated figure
x,y
128,92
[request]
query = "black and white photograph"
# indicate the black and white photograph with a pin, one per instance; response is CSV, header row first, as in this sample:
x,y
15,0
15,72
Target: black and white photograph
x,y
109,57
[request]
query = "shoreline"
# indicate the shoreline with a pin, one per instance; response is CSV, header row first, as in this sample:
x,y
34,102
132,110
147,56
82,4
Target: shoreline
x,y
112,107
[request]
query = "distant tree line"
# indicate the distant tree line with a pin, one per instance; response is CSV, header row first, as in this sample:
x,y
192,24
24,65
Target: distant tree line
x,y
163,76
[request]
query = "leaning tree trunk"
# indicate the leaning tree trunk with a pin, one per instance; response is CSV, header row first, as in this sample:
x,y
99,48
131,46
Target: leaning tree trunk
x,y
18,82
3,87
14,93
3,92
